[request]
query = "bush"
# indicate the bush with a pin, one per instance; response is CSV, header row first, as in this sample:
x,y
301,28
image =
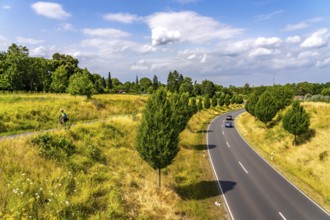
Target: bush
x,y
323,156
55,147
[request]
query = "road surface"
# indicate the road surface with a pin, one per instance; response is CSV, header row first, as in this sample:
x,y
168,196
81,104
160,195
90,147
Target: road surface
x,y
251,188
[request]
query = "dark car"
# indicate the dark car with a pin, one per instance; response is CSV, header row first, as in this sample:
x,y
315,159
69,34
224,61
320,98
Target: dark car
x,y
229,124
229,117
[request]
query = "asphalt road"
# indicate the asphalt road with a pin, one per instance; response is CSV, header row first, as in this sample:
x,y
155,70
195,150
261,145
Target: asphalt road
x,y
251,188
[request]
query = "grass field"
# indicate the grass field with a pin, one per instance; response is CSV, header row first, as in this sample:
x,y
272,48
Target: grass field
x,y
307,165
92,171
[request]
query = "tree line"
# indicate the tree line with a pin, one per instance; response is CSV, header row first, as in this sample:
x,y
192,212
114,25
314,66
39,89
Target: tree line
x,y
61,74
265,104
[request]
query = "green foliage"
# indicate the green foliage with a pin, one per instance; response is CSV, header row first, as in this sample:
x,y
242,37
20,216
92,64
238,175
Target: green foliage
x,y
227,100
323,155
207,102
181,109
59,80
80,84
251,103
158,137
296,120
200,104
214,101
54,147
325,92
193,106
266,108
317,98
283,95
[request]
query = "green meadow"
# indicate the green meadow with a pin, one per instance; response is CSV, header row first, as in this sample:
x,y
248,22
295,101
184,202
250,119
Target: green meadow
x,y
92,170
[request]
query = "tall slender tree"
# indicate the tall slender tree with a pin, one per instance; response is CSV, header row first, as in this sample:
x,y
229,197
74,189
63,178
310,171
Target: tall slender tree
x,y
266,107
296,120
158,137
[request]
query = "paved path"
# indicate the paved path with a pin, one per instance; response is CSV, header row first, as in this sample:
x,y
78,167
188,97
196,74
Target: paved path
x,y
251,188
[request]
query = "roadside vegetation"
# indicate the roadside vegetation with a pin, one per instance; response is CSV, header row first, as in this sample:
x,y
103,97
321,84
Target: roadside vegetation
x,y
305,162
94,170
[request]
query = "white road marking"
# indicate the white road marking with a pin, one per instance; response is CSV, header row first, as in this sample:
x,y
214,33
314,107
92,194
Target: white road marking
x,y
282,215
228,144
223,132
243,167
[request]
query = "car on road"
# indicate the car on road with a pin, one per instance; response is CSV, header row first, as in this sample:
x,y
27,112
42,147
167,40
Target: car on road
x,y
229,124
229,117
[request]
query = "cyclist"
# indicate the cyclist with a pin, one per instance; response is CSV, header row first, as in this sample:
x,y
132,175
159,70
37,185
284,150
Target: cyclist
x,y
63,117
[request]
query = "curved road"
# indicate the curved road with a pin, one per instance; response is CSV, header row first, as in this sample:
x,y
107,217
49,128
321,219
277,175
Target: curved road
x,y
251,188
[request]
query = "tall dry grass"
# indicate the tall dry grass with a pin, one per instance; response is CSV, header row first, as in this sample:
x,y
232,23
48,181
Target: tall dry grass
x,y
302,164
105,178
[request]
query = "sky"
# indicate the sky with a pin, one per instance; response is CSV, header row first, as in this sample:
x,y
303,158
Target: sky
x,y
259,42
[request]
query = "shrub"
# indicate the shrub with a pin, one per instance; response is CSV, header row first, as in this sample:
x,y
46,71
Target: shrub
x,y
55,147
323,156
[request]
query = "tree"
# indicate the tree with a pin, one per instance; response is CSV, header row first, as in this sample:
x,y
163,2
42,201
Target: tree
x,y
208,88
214,101
158,138
145,83
80,84
59,80
227,100
266,108
193,106
109,81
251,103
207,102
186,85
174,80
296,120
155,83
200,104
222,100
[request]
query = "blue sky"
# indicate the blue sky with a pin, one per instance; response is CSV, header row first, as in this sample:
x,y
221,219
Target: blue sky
x,y
229,42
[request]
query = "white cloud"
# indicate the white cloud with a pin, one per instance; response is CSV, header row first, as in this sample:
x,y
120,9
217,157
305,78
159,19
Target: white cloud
x,y
203,60
323,63
139,65
191,57
25,40
105,32
66,27
161,35
50,10
302,24
264,42
121,17
320,38
187,26
307,54
293,39
260,51
268,16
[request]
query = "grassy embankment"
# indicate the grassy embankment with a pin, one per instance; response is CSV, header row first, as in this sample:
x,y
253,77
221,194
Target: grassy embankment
x,y
93,170
303,164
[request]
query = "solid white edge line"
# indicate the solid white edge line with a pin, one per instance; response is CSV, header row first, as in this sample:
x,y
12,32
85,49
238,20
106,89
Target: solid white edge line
x,y
228,144
218,181
282,215
243,167
280,173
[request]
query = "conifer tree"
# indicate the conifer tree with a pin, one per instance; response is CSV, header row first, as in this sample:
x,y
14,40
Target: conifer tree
x,y
158,137
214,101
296,120
207,102
200,104
266,108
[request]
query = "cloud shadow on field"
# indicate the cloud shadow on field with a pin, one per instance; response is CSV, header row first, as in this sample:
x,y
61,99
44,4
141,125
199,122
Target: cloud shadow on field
x,y
203,189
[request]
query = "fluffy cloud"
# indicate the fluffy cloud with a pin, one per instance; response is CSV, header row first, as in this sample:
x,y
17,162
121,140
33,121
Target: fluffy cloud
x,y
50,10
268,16
260,51
162,35
302,24
25,40
323,63
105,32
139,65
121,17
264,42
187,26
320,38
293,39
